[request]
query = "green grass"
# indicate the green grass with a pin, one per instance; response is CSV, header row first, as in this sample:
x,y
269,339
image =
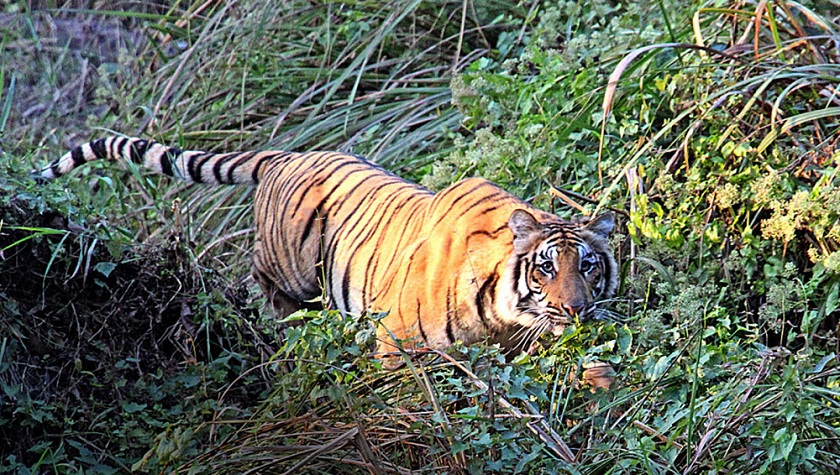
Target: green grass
x,y
710,129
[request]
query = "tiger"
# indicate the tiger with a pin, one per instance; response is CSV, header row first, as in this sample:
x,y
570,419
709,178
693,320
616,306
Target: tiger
x,y
469,263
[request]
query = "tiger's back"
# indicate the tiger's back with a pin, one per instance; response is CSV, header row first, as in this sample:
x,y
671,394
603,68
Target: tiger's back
x,y
469,263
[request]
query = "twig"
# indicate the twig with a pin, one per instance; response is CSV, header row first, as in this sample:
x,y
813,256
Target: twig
x,y
650,430
460,36
226,237
567,197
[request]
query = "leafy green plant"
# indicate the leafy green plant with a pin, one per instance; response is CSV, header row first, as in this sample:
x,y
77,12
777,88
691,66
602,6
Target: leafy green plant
x,y
332,406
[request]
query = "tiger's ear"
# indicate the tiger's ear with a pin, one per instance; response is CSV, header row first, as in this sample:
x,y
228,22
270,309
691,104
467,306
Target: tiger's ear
x,y
524,225
602,225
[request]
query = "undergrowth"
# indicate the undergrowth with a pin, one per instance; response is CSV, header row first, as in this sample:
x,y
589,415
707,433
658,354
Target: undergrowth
x,y
133,339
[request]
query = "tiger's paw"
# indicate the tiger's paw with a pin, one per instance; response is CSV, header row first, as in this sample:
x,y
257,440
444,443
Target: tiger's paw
x,y
598,374
392,362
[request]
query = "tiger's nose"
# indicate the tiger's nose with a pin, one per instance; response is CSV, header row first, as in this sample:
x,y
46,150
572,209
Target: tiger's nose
x,y
574,309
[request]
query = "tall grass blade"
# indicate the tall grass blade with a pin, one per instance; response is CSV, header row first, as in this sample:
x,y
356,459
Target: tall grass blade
x,y
8,97
795,121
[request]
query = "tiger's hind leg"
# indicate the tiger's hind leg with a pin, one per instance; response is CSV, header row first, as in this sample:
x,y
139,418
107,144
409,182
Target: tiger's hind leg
x,y
283,307
283,304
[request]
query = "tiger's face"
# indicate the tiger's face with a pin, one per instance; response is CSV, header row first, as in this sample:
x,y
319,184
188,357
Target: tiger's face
x,y
559,270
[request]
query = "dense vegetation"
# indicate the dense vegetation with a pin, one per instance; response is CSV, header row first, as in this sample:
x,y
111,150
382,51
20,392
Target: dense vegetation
x,y
132,338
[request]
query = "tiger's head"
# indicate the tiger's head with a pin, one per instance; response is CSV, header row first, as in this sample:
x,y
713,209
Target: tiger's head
x,y
558,271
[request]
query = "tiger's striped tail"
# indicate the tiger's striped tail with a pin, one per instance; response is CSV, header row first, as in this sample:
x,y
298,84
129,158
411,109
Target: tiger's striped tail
x,y
190,166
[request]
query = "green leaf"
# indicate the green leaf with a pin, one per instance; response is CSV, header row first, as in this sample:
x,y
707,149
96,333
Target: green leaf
x,y
832,298
823,361
788,446
132,407
662,365
625,339
105,268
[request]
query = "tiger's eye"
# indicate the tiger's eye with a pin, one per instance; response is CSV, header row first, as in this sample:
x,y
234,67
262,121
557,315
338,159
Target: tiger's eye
x,y
547,267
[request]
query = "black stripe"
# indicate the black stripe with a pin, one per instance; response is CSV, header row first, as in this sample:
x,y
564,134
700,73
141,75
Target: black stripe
x,y
380,225
98,149
516,274
290,180
419,210
281,185
490,208
406,275
78,157
196,163
484,199
191,171
367,210
276,241
449,333
359,208
204,160
490,234
307,228
386,215
564,238
487,289
462,196
167,159
274,190
526,297
113,152
217,167
345,291
117,145
137,150
607,275
420,324
324,176
255,174
372,226
54,168
243,158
